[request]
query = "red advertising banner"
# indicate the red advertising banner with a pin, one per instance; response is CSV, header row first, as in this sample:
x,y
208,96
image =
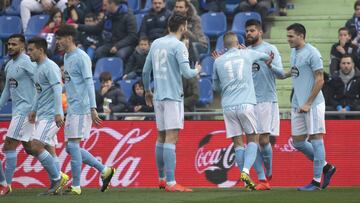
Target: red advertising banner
x,y
205,158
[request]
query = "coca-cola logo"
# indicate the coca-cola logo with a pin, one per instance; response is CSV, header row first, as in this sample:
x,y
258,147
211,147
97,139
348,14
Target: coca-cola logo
x,y
116,153
215,158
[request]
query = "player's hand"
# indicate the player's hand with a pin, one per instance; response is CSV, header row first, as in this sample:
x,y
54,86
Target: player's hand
x,y
242,46
113,50
198,67
149,98
59,120
31,117
215,55
95,117
304,109
268,62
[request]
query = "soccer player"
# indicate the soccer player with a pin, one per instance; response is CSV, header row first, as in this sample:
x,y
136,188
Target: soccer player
x,y
233,78
19,86
308,105
266,109
48,111
168,59
81,110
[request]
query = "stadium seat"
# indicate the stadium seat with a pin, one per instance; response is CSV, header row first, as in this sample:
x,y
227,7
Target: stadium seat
x,y
6,110
206,95
126,87
241,18
231,5
135,5
14,8
114,65
213,23
9,25
207,66
139,17
147,7
35,25
220,42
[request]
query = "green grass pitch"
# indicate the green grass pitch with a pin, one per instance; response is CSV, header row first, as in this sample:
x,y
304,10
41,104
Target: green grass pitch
x,y
278,195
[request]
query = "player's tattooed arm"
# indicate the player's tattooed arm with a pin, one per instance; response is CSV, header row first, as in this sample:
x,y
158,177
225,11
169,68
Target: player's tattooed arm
x,y
318,84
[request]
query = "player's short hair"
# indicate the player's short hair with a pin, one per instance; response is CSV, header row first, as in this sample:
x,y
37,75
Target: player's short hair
x,y
298,29
105,76
230,38
175,21
39,42
356,4
253,22
18,36
65,31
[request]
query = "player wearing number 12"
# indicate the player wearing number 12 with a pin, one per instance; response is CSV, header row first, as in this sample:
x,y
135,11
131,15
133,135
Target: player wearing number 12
x,y
233,78
168,59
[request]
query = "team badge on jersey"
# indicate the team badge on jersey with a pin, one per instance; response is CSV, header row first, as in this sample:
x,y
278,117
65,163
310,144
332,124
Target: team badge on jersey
x,y
67,76
295,71
186,54
38,88
13,83
255,67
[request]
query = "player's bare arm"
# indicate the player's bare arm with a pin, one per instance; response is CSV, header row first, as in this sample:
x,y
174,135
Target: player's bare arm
x,y
318,84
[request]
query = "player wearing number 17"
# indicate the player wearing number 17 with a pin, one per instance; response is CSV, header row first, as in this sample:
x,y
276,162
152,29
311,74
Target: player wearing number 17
x,y
168,59
233,78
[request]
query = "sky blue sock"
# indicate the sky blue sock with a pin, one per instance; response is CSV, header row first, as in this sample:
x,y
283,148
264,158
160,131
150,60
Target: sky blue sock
x,y
306,148
57,163
258,165
73,148
239,157
250,155
159,155
170,161
10,165
319,158
90,160
2,175
47,161
267,154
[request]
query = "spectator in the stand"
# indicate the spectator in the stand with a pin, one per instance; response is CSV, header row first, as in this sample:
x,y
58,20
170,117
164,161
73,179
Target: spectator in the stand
x,y
55,20
137,99
260,6
135,64
75,12
170,4
154,23
28,6
282,7
197,40
353,24
342,91
89,41
341,48
118,30
191,93
94,6
215,5
110,98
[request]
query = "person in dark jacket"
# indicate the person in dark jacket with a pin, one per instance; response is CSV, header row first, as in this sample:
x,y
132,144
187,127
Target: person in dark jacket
x,y
353,24
341,48
89,41
118,30
342,92
135,64
75,12
109,99
191,93
137,100
154,24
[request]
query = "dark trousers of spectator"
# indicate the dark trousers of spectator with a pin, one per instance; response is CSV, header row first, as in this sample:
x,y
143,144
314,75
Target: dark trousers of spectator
x,y
104,51
262,8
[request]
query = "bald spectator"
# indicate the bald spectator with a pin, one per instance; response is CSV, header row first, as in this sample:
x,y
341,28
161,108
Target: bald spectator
x,y
28,6
154,23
